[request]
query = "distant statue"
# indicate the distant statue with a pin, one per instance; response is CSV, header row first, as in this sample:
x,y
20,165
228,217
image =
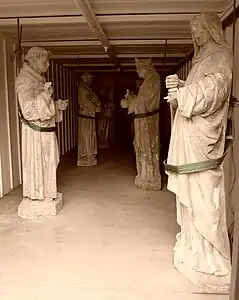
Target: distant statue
x,y
38,113
89,105
104,118
145,110
194,164
111,116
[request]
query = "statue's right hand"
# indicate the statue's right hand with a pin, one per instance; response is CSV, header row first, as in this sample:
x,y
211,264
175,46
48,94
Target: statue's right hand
x,y
48,88
124,103
127,94
98,109
172,81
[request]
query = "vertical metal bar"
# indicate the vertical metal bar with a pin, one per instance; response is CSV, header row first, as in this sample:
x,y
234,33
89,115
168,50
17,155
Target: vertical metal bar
x,y
71,107
60,85
56,80
68,97
65,113
165,52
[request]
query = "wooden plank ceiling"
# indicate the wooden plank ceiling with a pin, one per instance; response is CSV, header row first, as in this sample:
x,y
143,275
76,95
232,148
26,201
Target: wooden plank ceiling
x,y
108,34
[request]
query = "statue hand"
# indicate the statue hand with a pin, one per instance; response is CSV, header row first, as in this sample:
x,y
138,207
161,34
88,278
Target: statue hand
x,y
61,104
48,88
127,94
98,109
172,96
172,81
124,103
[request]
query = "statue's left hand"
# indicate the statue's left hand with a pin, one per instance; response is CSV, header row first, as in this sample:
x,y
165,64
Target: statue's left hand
x,y
124,103
62,104
127,94
172,96
98,109
48,88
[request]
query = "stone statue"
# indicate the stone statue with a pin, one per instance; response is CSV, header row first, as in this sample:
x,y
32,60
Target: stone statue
x,y
38,113
89,105
104,120
202,250
145,109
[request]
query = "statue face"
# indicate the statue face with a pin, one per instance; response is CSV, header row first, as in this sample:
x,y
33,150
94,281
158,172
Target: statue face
x,y
199,33
89,80
41,64
140,72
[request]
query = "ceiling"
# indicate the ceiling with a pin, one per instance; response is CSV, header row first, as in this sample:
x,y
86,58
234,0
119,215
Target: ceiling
x,y
108,34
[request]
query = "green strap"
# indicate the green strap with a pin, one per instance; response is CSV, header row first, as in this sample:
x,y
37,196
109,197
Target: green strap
x,y
86,117
199,166
147,114
34,126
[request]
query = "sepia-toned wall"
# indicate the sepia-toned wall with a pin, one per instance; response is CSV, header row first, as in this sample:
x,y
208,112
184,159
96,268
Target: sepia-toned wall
x,y
10,166
65,87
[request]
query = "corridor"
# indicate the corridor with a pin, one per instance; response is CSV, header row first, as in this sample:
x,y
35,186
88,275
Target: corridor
x,y
109,242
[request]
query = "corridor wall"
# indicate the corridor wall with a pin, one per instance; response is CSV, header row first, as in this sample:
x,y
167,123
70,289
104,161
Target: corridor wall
x,y
10,156
65,88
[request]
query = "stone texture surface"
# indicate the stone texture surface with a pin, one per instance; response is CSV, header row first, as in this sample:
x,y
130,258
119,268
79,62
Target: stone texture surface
x,y
33,210
211,283
200,119
111,241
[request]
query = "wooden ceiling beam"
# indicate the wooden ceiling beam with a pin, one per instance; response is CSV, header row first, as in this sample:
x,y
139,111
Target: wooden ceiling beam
x,y
86,9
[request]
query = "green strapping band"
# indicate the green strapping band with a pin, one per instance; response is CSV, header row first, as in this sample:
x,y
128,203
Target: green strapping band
x,y
35,126
199,166
86,117
146,115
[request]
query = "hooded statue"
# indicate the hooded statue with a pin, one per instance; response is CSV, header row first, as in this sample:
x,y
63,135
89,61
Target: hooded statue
x,y
39,113
88,106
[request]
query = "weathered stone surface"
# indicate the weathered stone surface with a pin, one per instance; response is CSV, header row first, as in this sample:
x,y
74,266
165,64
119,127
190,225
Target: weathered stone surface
x,y
32,210
210,283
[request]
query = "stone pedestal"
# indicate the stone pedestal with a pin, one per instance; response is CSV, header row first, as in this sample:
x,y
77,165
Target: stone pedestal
x,y
87,162
146,185
209,283
32,210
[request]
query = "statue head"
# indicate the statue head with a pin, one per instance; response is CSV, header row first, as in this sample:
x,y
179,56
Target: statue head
x,y
87,78
143,66
38,59
205,28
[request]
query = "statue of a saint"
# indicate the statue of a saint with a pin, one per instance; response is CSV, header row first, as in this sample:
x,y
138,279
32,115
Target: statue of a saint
x,y
145,110
89,105
104,120
38,113
202,250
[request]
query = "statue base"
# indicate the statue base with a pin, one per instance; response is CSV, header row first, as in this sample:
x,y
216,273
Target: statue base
x,y
146,185
209,283
36,209
87,162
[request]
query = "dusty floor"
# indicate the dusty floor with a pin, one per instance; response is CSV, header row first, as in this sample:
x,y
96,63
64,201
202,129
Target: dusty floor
x,y
109,242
